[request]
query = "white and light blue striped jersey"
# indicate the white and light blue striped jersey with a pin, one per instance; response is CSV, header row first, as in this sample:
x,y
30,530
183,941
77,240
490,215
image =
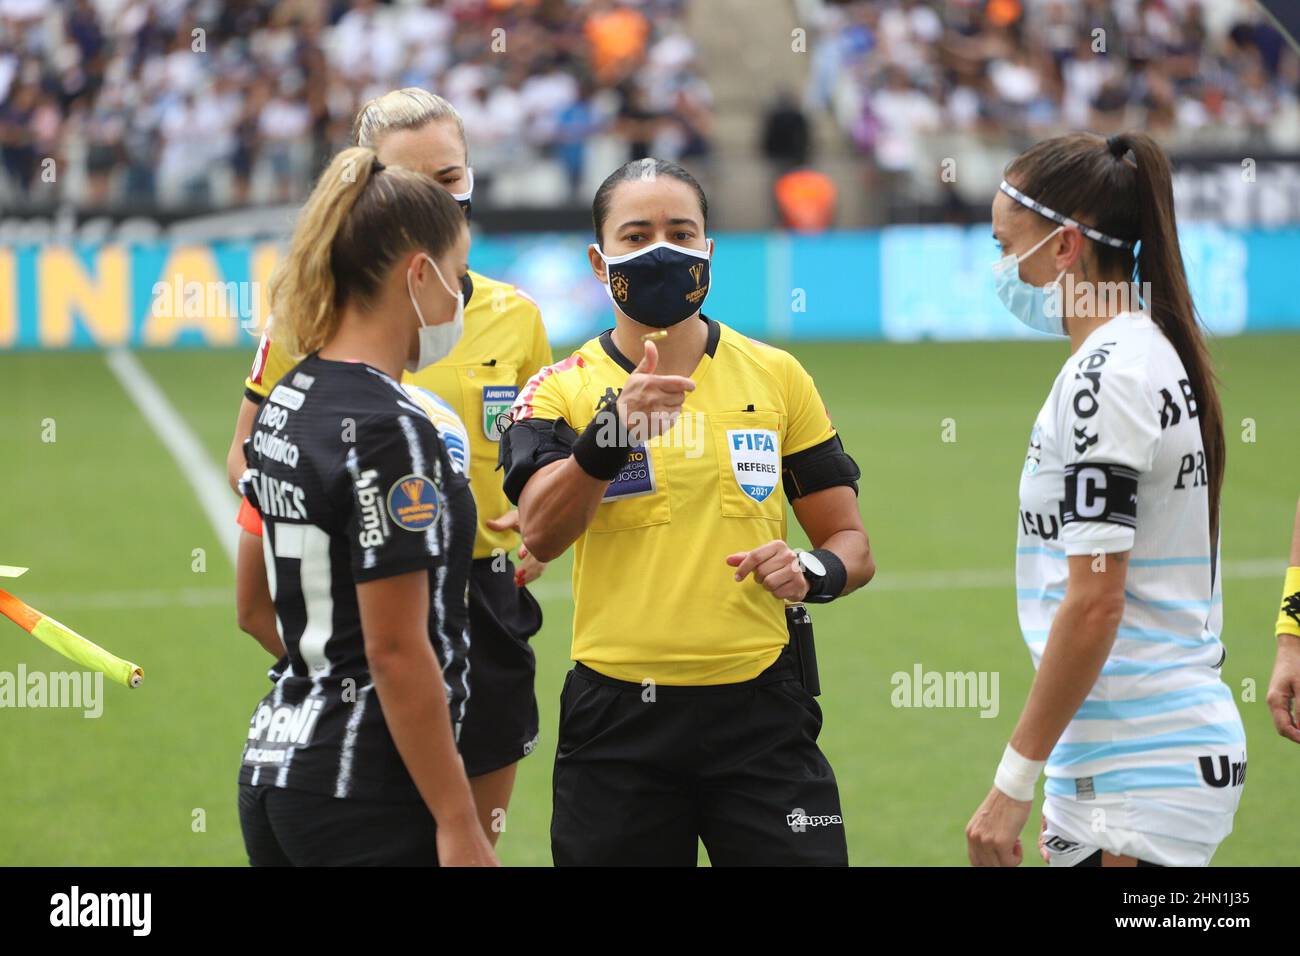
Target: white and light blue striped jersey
x,y
1116,463
450,428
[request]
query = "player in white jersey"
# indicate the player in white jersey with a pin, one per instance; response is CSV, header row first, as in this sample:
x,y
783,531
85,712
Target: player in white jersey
x,y
1117,558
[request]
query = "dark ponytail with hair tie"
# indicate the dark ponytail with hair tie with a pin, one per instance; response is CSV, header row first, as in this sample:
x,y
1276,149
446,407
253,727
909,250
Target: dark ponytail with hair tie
x,y
1118,145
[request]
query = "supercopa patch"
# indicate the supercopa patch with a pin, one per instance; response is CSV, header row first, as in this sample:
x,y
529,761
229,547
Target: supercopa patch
x,y
755,460
413,503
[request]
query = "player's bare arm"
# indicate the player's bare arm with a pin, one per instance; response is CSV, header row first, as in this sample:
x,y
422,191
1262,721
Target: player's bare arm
x,y
254,607
394,621
243,428
1081,637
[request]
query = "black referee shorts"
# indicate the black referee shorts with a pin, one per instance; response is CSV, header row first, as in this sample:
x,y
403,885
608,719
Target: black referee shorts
x,y
736,766
295,828
501,722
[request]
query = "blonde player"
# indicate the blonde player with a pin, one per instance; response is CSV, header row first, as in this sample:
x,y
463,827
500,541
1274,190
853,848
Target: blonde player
x,y
351,758
503,346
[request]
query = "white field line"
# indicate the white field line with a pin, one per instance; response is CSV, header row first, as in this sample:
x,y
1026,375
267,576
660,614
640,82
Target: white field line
x,y
994,578
559,589
205,478
56,601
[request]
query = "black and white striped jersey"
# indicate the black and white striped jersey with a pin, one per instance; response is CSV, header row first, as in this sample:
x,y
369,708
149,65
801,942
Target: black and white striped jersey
x,y
353,484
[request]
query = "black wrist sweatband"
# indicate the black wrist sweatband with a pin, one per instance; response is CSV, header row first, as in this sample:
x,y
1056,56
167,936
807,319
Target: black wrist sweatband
x,y
602,459
837,576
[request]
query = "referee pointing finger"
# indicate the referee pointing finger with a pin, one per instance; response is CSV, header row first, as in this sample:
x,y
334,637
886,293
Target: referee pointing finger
x,y
664,451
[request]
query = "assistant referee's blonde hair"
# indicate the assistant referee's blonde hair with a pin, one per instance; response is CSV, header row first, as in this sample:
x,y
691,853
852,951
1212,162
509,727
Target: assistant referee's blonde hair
x,y
407,108
360,218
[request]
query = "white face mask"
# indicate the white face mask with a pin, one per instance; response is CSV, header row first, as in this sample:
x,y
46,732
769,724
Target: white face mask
x,y
436,341
1039,307
467,196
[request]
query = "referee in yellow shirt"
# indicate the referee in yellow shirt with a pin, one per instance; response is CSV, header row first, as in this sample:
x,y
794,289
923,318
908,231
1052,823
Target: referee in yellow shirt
x,y
504,343
665,451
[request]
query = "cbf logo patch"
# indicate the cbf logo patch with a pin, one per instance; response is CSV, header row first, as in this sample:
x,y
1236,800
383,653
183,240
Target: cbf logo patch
x,y
755,460
497,400
618,286
413,503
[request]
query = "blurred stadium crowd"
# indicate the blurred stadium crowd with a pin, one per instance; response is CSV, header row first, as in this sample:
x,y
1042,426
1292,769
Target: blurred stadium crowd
x,y
1199,74
114,93
196,104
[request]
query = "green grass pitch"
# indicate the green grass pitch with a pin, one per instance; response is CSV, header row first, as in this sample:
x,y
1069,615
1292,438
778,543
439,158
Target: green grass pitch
x,y
109,527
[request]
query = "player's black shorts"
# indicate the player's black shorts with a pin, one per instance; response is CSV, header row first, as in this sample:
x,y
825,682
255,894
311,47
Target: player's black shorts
x,y
501,714
736,766
285,827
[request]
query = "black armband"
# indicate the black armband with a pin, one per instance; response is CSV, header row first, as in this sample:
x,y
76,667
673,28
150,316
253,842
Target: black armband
x,y
602,449
837,577
817,468
1100,491
529,445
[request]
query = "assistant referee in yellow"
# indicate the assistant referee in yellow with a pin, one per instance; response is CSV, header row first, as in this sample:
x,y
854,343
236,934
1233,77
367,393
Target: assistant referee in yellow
x,y
666,450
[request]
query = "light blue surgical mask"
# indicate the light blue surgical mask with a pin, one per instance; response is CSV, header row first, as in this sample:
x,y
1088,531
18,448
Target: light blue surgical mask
x,y
1039,307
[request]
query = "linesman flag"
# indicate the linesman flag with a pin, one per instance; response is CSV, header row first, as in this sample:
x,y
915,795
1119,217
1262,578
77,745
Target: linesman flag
x,y
64,639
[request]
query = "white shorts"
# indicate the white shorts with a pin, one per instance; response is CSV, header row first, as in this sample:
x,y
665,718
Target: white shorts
x,y
1076,830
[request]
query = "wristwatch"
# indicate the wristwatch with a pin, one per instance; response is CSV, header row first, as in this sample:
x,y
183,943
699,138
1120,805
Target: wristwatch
x,y
814,571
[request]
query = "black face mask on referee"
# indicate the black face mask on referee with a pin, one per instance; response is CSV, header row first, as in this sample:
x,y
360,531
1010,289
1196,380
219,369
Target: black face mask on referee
x,y
659,285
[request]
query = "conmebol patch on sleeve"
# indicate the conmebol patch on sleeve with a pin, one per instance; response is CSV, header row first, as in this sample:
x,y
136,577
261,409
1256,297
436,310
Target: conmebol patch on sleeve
x,y
755,460
414,503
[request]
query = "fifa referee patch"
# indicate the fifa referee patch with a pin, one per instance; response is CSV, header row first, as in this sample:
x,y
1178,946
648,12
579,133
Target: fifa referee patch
x,y
413,503
755,460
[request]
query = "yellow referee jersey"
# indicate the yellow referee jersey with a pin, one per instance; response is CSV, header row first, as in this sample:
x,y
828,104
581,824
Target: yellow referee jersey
x,y
654,597
503,346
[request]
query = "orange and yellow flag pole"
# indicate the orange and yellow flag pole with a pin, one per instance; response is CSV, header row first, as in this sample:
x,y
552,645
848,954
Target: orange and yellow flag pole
x,y
65,640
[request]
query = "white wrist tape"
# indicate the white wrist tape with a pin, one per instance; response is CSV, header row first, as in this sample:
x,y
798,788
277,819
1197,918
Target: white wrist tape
x,y
1017,776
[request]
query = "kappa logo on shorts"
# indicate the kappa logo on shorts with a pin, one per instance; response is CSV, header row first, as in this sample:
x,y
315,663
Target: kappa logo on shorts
x,y
497,400
413,503
799,821
755,460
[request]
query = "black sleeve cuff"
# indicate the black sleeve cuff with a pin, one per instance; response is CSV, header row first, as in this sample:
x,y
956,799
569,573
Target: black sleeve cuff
x,y
529,445
602,449
253,397
832,585
818,468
